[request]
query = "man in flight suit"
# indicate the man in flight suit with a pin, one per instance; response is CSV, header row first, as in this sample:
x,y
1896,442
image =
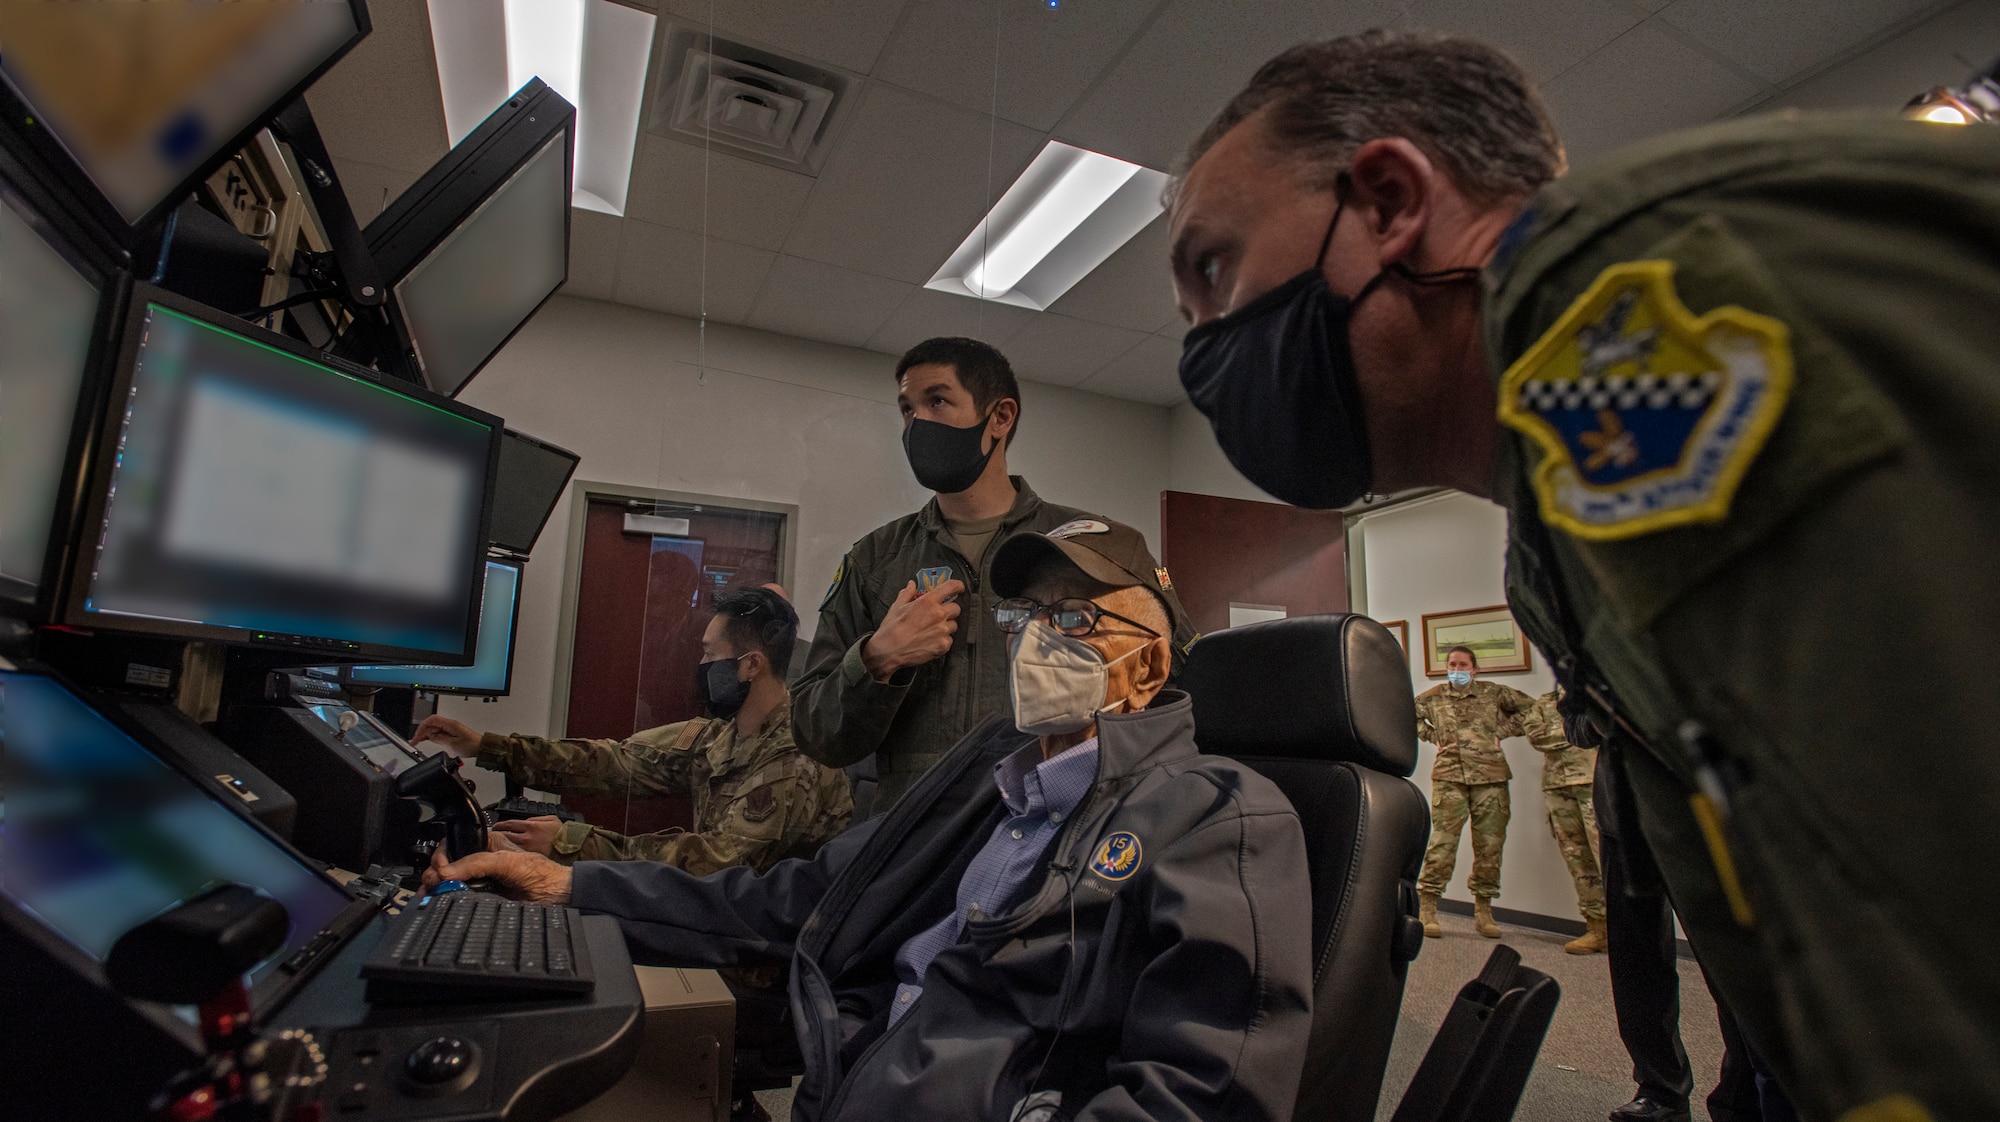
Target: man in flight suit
x,y
906,658
757,799
1567,773
1735,388
1466,719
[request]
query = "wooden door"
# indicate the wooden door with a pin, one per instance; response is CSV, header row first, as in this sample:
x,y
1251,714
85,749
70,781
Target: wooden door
x,y
643,601
1259,558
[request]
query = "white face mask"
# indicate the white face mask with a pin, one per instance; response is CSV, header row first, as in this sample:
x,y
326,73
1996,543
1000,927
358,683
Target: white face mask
x,y
1058,682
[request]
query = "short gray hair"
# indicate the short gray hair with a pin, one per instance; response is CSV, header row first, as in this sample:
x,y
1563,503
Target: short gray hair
x,y
1468,106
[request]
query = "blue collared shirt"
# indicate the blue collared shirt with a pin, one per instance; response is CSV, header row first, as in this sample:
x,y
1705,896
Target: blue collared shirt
x,y
1040,794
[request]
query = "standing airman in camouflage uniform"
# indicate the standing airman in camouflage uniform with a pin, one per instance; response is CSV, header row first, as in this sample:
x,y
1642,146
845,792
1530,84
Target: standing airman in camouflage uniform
x,y
1466,719
757,798
1567,772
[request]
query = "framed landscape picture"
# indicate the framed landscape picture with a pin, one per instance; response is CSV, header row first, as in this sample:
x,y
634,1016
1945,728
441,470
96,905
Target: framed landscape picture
x,y
1494,637
1400,628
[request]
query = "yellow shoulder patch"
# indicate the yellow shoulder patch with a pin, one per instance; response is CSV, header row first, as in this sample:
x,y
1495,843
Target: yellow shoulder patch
x,y
1649,415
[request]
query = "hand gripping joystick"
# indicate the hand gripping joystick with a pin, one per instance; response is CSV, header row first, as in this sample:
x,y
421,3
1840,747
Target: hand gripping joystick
x,y
446,798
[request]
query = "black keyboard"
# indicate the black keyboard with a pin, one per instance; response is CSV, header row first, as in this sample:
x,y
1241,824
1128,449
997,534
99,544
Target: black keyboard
x,y
509,810
458,943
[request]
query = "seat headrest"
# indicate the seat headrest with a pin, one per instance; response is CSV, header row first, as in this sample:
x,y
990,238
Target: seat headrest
x,y
1329,687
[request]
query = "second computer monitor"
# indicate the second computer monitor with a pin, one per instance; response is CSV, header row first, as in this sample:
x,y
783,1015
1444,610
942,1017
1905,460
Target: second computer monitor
x,y
262,496
57,296
491,672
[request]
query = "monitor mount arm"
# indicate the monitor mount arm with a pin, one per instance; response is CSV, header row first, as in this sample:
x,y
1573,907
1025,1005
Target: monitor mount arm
x,y
354,278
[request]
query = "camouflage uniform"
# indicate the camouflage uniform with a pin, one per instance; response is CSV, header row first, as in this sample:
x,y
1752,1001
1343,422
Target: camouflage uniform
x,y
1567,772
756,801
1469,779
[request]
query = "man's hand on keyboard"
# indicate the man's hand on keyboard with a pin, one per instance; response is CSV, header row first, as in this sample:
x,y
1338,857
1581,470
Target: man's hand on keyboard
x,y
519,876
536,835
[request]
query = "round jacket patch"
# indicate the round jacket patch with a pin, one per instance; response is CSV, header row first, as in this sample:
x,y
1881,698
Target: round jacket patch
x,y
1117,856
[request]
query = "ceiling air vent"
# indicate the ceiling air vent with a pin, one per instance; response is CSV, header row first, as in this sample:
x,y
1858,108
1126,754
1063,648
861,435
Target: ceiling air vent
x,y
746,100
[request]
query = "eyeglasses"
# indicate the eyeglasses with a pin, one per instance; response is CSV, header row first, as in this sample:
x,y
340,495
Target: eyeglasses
x,y
1073,617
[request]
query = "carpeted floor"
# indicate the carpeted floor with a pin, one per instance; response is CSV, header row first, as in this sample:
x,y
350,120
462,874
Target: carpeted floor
x,y
1583,1071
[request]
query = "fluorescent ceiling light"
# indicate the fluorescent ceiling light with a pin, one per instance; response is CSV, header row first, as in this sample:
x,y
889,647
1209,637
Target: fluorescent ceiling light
x,y
1069,210
592,52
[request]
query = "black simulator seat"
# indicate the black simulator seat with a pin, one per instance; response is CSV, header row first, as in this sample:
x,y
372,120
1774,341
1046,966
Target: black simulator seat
x,y
1322,706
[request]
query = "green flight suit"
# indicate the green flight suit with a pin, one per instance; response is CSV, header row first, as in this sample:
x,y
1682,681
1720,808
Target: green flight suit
x,y
842,715
1825,627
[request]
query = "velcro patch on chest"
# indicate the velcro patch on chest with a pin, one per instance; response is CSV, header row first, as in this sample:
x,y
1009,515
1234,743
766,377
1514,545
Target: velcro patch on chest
x,y
1649,416
759,803
1117,856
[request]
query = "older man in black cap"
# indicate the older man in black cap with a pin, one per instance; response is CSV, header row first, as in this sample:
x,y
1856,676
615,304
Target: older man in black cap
x,y
1072,914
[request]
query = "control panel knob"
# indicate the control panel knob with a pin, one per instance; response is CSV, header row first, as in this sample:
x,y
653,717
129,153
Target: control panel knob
x,y
438,1061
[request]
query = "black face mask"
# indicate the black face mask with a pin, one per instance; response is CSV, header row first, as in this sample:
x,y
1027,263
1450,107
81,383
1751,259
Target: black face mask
x,y
1276,380
946,459
719,688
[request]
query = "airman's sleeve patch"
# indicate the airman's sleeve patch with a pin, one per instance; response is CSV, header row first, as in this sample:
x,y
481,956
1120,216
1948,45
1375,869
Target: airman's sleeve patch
x,y
839,575
1649,415
759,803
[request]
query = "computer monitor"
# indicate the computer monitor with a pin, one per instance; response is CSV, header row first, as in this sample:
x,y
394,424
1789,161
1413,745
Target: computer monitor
x,y
264,496
533,474
101,835
53,311
491,672
132,104
482,240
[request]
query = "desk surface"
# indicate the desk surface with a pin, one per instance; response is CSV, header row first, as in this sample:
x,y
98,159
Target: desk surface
x,y
536,1058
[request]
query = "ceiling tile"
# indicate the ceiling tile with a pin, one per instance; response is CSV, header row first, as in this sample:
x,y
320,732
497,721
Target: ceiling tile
x,y
381,103
594,242
1778,39
1048,55
849,33
748,203
1063,351
906,184
928,314
661,269
1546,36
1131,289
1175,329
370,188
825,302
1647,81
1936,52
1193,58
1148,372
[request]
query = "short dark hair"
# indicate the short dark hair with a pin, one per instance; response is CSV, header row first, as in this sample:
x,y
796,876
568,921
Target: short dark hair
x,y
1466,105
758,619
982,370
1467,652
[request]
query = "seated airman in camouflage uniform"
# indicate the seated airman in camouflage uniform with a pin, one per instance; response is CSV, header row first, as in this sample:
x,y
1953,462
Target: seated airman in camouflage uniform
x,y
1567,772
1466,719
757,798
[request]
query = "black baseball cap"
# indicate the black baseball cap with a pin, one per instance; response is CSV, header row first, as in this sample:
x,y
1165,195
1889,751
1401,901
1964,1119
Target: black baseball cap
x,y
1105,551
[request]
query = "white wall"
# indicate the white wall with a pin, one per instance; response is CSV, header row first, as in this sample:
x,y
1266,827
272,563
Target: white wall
x,y
1447,554
1196,462
774,418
